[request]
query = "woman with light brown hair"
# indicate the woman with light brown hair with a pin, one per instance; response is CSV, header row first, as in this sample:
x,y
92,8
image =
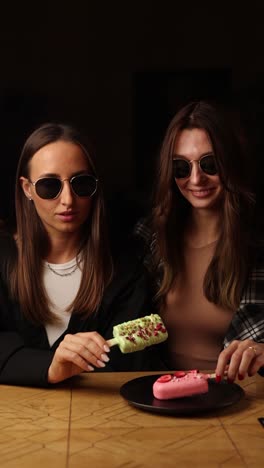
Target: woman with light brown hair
x,y
201,247
59,299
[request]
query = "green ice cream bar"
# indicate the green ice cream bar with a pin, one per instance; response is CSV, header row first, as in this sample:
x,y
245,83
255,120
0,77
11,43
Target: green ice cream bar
x,y
137,334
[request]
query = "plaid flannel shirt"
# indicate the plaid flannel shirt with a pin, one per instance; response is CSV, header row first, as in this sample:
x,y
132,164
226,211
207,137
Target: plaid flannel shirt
x,y
248,320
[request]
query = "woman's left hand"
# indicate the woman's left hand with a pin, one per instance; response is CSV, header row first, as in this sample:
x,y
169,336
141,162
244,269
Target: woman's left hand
x,y
241,358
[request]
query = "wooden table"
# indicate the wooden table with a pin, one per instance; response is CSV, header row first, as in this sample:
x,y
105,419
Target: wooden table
x,y
86,423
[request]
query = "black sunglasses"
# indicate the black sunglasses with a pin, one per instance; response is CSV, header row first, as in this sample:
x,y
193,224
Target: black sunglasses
x,y
183,168
49,188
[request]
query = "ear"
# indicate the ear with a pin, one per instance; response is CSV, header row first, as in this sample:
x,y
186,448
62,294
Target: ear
x,y
26,187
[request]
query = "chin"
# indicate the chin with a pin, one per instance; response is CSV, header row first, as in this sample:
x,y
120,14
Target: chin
x,y
203,205
69,228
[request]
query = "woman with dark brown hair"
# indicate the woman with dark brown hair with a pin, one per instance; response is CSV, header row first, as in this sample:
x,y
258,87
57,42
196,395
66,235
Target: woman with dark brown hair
x,y
59,300
201,247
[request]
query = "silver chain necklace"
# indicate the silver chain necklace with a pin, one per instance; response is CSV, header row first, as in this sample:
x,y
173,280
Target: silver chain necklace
x,y
62,274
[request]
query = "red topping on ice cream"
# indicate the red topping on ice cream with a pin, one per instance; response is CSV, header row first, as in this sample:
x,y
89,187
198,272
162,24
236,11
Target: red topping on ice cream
x,y
164,378
179,373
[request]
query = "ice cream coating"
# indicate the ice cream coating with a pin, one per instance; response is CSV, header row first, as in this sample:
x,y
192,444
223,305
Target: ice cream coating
x,y
169,387
137,334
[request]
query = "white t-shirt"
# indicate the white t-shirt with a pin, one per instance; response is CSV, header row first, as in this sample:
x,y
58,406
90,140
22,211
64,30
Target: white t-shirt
x,y
61,288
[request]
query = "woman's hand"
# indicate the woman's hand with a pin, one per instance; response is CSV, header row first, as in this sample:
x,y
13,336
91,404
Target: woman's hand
x,y
78,353
241,358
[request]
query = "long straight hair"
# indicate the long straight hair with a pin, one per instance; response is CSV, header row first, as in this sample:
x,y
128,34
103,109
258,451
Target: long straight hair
x,y
228,269
32,241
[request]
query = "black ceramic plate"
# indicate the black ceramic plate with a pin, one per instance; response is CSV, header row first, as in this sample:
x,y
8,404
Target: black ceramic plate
x,y
138,392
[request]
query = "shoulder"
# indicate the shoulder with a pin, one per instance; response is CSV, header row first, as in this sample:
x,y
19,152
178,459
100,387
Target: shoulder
x,y
134,247
253,291
130,277
259,255
146,239
128,261
7,243
8,250
143,230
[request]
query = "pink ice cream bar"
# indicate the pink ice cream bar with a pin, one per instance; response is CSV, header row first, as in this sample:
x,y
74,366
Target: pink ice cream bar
x,y
180,384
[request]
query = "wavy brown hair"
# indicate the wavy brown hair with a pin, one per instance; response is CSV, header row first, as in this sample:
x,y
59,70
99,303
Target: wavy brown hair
x,y
227,272
32,241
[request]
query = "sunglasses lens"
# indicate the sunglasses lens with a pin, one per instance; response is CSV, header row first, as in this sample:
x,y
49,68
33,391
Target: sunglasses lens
x,y
84,185
48,187
181,168
208,165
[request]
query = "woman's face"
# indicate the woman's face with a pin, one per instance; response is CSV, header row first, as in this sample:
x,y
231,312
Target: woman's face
x,y
66,213
202,191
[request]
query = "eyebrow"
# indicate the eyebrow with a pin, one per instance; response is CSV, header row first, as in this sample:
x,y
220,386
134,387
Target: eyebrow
x,y
176,156
74,174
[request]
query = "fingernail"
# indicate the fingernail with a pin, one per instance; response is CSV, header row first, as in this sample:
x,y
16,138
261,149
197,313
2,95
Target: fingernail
x,y
106,348
240,376
230,380
90,368
104,357
100,363
218,378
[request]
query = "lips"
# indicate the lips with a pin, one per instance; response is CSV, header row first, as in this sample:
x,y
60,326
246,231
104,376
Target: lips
x,y
67,215
201,193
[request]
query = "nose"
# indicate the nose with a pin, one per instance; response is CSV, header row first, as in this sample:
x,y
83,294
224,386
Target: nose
x,y
66,195
196,173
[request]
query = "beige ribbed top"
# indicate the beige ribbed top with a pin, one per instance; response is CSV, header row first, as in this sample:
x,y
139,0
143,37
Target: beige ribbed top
x,y
196,327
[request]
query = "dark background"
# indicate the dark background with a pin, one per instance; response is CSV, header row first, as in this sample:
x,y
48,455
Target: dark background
x,y
119,72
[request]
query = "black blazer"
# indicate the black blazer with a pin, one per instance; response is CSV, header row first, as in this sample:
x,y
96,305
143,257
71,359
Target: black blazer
x,y
25,353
